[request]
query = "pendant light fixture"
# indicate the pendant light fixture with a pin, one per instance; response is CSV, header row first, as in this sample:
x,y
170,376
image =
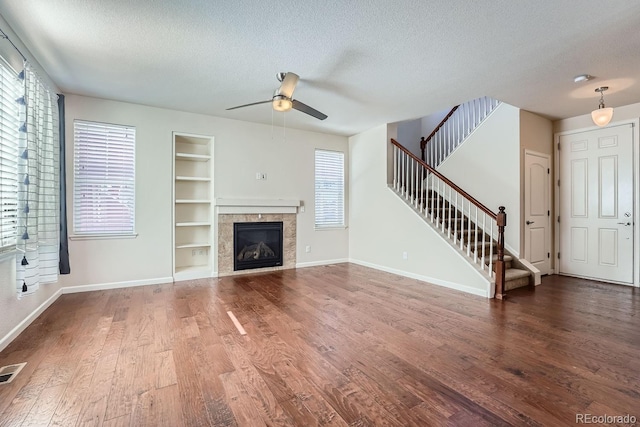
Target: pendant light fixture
x,y
602,116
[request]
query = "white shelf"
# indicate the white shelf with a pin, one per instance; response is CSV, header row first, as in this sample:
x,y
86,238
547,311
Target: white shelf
x,y
193,178
193,157
192,206
193,245
191,268
200,201
193,272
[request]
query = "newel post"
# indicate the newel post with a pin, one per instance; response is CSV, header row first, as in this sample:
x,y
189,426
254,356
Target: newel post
x,y
423,145
501,221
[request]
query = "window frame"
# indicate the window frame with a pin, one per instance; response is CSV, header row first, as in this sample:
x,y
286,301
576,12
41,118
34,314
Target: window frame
x,y
8,152
83,234
325,224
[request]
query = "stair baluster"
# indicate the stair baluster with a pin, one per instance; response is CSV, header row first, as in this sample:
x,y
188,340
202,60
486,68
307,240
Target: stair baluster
x,y
453,212
456,126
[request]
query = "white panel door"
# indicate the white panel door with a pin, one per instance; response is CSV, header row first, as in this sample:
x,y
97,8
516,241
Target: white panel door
x,y
596,204
537,230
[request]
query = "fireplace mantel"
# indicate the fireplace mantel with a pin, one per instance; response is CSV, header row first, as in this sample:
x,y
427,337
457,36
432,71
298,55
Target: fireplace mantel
x,y
252,206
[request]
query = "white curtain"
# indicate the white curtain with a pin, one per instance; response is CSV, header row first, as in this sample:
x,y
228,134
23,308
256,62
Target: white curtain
x,y
38,186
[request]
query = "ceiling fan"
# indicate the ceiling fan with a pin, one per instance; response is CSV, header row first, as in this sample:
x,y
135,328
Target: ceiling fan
x,y
282,101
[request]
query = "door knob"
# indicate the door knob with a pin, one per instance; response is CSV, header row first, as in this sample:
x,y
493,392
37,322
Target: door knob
x,y
625,223
530,222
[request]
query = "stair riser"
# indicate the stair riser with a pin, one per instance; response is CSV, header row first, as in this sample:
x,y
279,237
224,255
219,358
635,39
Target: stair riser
x,y
464,229
471,237
507,265
440,207
517,283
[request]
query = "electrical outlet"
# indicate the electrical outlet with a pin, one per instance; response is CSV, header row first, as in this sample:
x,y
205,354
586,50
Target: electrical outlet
x,y
302,209
405,255
201,252
193,252
307,249
258,175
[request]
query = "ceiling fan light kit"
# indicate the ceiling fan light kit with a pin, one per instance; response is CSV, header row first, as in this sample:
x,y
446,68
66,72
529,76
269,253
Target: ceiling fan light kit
x,y
282,99
583,78
602,115
281,103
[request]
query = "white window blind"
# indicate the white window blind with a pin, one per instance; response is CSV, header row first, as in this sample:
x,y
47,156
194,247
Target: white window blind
x,y
10,90
104,179
329,181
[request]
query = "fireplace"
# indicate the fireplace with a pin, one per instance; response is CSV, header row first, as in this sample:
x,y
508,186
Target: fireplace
x,y
257,245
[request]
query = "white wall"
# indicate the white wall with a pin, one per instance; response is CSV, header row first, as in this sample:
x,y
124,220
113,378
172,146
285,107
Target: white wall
x,y
409,134
17,314
430,122
240,150
382,226
487,166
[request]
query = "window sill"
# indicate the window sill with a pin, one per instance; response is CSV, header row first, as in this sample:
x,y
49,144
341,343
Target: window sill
x,y
10,253
102,236
337,227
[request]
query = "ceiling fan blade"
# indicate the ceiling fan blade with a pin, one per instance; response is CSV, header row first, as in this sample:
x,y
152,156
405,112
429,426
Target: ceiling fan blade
x,y
297,105
288,84
248,105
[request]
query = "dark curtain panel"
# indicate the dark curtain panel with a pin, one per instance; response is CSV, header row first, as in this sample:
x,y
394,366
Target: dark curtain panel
x,y
65,267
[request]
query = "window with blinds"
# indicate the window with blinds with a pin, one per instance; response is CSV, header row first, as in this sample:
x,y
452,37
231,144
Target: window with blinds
x,y
10,90
103,179
329,183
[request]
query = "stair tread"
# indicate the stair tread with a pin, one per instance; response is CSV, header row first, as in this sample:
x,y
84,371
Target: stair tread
x,y
507,258
436,207
515,273
486,244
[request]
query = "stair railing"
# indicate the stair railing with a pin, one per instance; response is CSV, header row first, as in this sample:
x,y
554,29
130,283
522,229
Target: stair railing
x,y
456,214
454,129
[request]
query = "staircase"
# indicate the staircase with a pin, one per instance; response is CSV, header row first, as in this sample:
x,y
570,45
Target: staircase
x,y
473,229
456,126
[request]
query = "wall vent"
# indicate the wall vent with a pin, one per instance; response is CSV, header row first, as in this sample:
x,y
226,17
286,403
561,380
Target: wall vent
x,y
8,373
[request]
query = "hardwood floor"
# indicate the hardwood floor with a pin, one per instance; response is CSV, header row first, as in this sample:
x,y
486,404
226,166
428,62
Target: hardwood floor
x,y
336,345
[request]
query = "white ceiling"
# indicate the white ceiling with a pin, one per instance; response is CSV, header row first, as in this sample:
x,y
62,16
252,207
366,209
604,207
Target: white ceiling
x,y
363,63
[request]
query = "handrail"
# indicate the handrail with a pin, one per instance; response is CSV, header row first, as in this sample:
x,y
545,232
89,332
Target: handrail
x,y
447,181
424,141
455,128
442,212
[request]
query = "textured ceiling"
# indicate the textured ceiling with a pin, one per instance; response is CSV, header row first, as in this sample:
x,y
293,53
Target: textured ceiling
x,y
363,63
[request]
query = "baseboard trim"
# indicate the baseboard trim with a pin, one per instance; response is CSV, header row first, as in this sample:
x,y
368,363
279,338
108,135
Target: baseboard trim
x,y
432,280
6,340
320,263
194,275
116,285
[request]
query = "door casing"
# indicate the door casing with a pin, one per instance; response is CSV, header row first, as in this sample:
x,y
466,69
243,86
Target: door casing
x,y
548,236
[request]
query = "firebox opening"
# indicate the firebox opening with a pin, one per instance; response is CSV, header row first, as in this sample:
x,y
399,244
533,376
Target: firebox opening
x,y
257,245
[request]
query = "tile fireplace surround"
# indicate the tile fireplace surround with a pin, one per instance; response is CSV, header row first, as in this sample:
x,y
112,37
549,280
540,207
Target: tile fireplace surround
x,y
230,211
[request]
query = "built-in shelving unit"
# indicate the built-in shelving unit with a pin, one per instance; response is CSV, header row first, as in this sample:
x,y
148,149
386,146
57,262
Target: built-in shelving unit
x,y
192,208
